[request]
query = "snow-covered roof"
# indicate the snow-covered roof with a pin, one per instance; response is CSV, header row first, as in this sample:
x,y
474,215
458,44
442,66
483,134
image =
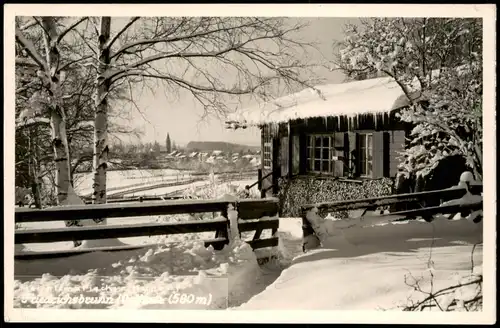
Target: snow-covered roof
x,y
379,95
217,152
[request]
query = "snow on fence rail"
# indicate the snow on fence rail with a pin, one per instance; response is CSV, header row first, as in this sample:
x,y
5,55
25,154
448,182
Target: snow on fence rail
x,y
464,199
253,215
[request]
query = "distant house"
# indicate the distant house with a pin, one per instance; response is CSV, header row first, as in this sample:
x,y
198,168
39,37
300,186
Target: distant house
x,y
217,152
210,160
348,130
193,154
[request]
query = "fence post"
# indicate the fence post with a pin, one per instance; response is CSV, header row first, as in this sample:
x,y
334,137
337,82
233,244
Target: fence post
x,y
259,179
222,233
309,238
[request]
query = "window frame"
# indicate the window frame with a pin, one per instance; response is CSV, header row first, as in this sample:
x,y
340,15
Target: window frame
x,y
311,157
364,154
267,149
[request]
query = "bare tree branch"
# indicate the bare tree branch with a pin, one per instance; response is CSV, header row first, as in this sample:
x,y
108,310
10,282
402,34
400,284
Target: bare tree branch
x,y
69,28
119,33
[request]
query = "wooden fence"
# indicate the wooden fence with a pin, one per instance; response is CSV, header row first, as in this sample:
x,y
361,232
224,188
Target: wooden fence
x,y
250,218
427,213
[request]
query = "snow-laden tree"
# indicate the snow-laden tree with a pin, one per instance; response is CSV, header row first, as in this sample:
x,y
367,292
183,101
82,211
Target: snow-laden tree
x,y
437,62
54,88
213,59
47,101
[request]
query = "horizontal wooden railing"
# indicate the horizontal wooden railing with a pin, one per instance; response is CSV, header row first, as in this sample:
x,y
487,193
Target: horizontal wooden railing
x,y
373,203
427,213
253,214
258,183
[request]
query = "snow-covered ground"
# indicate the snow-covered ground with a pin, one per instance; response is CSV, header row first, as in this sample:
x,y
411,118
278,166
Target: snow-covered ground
x,y
359,267
362,264
178,265
364,268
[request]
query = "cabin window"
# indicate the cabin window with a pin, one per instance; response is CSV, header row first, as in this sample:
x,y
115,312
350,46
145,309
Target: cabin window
x,y
365,147
321,152
266,149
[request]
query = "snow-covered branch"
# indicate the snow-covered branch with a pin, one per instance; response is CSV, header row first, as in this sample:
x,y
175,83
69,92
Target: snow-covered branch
x,y
30,49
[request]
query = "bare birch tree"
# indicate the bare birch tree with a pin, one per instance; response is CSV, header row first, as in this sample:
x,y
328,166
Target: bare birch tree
x,y
51,72
214,59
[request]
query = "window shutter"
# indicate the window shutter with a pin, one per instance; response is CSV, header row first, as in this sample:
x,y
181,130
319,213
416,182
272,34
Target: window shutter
x,y
295,154
387,154
352,150
339,145
284,156
380,154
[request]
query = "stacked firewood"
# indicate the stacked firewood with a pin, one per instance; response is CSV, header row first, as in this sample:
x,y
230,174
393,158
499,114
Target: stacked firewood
x,y
309,190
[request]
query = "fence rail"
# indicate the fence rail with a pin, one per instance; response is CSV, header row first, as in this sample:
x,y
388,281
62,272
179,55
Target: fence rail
x,y
373,203
427,213
253,215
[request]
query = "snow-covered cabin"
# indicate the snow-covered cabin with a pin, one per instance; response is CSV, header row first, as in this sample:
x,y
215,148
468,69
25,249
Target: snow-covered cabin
x,y
347,130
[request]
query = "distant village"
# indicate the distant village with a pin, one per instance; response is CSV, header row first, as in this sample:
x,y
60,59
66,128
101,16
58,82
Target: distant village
x,y
230,157
213,157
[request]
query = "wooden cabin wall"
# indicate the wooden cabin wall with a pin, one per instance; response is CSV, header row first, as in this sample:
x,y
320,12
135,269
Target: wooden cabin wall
x,y
286,143
388,140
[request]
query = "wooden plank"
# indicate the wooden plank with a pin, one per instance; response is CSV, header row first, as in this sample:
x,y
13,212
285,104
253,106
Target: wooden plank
x,y
445,194
23,256
429,211
119,210
129,210
269,223
135,230
255,210
30,256
72,252
378,154
104,232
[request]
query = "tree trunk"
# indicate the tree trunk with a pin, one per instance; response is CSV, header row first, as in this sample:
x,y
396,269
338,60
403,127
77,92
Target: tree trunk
x,y
58,122
101,149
